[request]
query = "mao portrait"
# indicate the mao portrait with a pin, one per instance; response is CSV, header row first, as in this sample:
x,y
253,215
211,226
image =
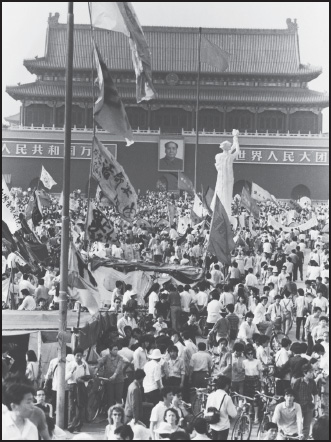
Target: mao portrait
x,y
171,155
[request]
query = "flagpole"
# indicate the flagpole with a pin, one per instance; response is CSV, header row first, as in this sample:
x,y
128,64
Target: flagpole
x,y
60,399
197,114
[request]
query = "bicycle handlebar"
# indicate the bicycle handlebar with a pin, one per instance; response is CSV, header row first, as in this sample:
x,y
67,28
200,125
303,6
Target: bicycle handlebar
x,y
269,397
241,395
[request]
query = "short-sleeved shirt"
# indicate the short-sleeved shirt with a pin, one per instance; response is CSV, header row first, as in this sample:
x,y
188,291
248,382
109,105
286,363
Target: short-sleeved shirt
x,y
153,375
252,368
288,419
304,391
11,432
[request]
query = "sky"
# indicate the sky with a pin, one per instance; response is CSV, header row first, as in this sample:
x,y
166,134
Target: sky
x,y
24,30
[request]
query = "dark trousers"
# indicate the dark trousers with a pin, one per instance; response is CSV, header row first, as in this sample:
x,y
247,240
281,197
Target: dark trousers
x,y
220,435
281,386
299,321
173,381
77,404
114,393
295,272
153,397
301,271
175,311
310,344
307,415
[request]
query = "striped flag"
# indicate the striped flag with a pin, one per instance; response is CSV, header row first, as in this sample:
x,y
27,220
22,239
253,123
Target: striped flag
x,y
46,178
121,17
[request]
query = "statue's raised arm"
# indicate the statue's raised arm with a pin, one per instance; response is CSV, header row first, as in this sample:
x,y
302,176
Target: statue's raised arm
x,y
235,149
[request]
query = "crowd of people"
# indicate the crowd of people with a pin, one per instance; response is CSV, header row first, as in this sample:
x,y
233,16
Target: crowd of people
x,y
228,333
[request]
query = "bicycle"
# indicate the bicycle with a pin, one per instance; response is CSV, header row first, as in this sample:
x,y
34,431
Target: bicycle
x,y
200,401
97,401
269,381
267,413
243,426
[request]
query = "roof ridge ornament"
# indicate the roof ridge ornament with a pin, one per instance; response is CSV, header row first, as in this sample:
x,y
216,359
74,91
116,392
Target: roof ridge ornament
x,y
53,19
292,25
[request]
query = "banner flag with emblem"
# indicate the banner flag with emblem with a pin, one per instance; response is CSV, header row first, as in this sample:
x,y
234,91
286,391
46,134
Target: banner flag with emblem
x,y
260,194
221,239
46,178
184,183
99,227
113,181
121,17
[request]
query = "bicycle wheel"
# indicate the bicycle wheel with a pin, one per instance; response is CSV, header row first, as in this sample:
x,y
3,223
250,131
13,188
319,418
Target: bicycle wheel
x,y
276,340
261,433
242,428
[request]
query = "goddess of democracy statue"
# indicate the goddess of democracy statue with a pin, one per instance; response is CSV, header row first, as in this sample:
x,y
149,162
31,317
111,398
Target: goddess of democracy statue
x,y
224,165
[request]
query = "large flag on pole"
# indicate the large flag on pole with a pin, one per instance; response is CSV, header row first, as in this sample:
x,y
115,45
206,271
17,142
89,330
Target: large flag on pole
x,y
208,198
198,208
214,55
121,17
81,288
113,181
99,227
184,183
9,212
249,203
221,239
109,110
260,194
46,178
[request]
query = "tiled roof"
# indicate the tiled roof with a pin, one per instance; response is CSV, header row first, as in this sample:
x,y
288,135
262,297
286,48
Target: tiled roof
x,y
253,51
217,95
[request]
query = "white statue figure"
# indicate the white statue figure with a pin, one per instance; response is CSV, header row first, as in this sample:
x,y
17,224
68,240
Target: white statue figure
x,y
224,165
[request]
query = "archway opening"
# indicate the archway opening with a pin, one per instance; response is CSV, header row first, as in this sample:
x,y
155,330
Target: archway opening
x,y
300,191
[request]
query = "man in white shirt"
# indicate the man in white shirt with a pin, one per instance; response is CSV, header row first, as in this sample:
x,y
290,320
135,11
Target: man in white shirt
x,y
288,417
247,328
29,302
127,294
251,279
15,423
260,319
185,298
202,301
26,284
227,297
75,372
127,319
152,382
117,292
152,300
320,301
216,275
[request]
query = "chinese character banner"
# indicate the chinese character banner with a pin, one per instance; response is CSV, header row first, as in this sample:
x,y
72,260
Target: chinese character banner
x,y
29,149
253,155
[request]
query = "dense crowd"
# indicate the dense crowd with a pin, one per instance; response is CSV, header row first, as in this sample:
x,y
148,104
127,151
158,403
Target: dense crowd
x,y
229,334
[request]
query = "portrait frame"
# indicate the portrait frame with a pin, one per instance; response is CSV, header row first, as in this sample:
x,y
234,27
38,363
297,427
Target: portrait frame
x,y
179,156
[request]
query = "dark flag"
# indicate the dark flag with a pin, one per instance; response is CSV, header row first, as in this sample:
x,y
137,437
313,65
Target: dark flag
x,y
221,240
99,228
36,211
249,203
214,55
109,110
184,183
208,198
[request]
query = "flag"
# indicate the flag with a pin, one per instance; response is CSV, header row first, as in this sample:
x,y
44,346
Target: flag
x,y
214,55
121,17
260,194
9,212
184,183
82,286
221,240
208,198
172,211
99,228
73,204
46,179
295,205
109,110
198,208
44,200
113,181
249,203
36,214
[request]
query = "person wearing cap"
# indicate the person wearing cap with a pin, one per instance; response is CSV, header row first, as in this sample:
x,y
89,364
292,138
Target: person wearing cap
x,y
152,382
288,417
